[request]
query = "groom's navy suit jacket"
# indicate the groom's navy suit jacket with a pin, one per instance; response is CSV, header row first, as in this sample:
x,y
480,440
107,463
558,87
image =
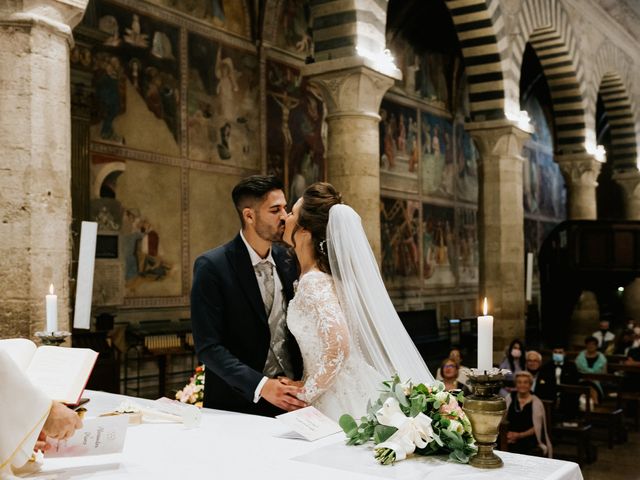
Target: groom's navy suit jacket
x,y
230,326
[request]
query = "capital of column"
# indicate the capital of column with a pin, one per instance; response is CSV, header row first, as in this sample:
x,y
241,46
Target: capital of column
x,y
498,138
350,86
57,16
630,183
579,169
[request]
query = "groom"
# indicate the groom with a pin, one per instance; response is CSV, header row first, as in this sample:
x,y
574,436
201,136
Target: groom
x,y
238,308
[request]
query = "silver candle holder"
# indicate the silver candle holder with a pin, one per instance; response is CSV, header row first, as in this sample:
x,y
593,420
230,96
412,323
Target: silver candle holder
x,y
54,339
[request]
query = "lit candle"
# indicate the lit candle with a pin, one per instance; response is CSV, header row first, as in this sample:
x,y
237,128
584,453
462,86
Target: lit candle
x,y
485,339
529,278
52,310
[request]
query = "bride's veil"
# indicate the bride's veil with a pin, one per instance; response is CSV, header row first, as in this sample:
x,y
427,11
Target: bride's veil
x,y
373,322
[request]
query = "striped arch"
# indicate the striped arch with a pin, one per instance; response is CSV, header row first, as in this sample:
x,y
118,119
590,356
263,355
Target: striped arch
x,y
611,67
339,26
480,28
545,25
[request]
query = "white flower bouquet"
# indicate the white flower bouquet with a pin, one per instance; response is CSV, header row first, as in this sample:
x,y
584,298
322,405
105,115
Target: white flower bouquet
x,y
413,419
193,392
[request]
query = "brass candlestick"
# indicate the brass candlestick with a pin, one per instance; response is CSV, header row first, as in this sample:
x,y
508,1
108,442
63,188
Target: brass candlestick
x,y
485,410
53,338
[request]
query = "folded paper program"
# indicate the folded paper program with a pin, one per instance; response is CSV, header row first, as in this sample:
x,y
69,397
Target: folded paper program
x,y
163,411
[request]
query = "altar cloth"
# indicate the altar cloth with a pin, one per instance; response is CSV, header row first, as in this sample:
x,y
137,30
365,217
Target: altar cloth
x,y
235,446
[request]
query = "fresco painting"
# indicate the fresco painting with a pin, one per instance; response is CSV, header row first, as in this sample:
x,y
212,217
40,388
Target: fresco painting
x,y
399,147
223,123
296,129
437,156
439,246
400,226
294,29
229,15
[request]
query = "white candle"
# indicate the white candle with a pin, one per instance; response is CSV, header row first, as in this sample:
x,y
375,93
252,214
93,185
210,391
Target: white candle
x,y
529,278
84,283
51,304
485,339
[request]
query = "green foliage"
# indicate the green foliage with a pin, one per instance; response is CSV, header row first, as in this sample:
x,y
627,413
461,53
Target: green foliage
x,y
451,429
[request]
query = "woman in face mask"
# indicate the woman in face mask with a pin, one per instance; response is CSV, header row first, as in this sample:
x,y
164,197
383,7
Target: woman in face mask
x,y
514,360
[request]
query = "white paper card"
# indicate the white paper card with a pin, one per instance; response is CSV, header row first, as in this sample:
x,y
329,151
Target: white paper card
x,y
310,423
98,436
84,284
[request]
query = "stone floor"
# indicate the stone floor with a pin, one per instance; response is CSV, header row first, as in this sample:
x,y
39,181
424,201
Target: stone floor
x,y
620,463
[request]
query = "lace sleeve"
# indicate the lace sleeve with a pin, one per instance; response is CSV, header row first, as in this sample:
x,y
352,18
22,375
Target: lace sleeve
x,y
327,315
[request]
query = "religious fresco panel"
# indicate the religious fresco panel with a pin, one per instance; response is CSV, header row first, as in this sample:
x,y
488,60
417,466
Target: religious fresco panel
x,y
135,71
440,260
223,121
399,147
467,246
439,169
543,184
229,15
466,159
400,236
294,32
296,129
138,204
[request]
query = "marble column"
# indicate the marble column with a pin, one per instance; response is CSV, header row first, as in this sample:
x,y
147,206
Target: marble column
x,y
630,183
35,147
352,89
580,171
501,227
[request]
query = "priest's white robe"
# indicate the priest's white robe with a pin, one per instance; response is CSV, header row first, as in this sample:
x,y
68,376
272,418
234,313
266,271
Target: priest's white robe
x,y
23,411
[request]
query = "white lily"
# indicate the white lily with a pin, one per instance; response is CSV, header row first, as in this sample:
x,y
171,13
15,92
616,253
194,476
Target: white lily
x,y
413,432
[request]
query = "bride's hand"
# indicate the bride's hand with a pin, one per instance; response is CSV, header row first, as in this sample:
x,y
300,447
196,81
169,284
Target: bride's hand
x,y
288,381
281,395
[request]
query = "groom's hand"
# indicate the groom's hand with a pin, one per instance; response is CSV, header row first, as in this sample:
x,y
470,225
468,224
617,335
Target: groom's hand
x,y
282,396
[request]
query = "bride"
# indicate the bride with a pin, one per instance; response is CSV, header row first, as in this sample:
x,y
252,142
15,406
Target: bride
x,y
348,331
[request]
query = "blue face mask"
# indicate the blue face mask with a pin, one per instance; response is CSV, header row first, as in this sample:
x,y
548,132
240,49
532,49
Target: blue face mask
x,y
558,357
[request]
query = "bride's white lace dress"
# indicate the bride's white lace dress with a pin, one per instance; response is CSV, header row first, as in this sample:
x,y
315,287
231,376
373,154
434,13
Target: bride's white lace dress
x,y
337,380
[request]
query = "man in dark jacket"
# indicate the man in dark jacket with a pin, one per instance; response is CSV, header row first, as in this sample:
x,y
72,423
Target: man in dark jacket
x,y
238,309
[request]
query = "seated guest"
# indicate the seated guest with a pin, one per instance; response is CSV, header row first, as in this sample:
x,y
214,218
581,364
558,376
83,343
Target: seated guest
x,y
591,360
605,338
558,371
624,343
533,363
456,355
449,369
514,358
527,429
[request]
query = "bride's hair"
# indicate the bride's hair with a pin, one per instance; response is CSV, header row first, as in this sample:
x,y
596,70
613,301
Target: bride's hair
x,y
313,216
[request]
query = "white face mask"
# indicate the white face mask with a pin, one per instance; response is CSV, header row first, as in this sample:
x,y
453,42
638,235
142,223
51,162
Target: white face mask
x,y
516,352
630,325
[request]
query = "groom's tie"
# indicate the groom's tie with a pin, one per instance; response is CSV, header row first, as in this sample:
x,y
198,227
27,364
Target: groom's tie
x,y
265,273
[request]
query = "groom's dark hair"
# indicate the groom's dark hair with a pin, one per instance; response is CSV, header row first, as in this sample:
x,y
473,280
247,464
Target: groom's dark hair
x,y
253,189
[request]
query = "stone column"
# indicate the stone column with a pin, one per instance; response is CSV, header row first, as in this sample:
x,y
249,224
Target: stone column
x,y
630,183
35,145
580,171
501,227
352,89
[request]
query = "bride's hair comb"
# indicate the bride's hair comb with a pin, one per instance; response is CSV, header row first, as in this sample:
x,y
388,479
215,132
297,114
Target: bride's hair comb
x,y
322,246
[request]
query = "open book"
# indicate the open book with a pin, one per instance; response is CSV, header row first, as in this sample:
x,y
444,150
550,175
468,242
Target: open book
x,y
59,372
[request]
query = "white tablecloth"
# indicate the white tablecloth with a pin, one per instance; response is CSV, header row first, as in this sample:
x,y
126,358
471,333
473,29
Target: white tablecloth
x,y
235,446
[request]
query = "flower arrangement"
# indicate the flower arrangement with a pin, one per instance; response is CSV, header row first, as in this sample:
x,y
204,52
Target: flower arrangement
x,y
193,392
407,419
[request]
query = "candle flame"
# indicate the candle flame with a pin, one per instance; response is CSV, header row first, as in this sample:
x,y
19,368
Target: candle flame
x,y
484,307
51,289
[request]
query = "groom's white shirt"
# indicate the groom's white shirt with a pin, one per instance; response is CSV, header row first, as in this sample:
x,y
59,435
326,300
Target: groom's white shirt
x,y
277,313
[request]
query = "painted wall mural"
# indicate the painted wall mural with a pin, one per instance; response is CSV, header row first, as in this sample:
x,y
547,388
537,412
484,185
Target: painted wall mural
x,y
296,129
439,246
227,15
136,82
294,31
223,121
399,147
400,224
438,165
